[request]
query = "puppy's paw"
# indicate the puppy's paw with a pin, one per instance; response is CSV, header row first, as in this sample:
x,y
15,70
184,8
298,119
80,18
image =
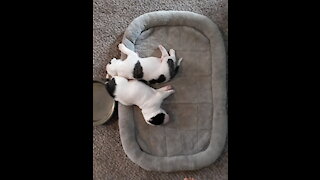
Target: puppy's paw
x,y
171,91
165,88
121,46
168,87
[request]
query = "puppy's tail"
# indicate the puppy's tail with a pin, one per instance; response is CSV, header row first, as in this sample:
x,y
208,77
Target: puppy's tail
x,y
174,68
178,65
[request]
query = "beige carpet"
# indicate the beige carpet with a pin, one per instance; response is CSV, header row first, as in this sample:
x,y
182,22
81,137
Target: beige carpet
x,y
110,19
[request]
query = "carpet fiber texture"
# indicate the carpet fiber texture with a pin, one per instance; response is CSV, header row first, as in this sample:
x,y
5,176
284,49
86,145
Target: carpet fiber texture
x,y
110,19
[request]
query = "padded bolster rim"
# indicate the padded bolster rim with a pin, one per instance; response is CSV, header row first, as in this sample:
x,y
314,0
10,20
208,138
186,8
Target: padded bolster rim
x,y
219,124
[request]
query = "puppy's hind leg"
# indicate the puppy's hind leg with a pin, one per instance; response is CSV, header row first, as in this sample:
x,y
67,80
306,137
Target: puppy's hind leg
x,y
165,88
172,53
165,91
164,52
166,94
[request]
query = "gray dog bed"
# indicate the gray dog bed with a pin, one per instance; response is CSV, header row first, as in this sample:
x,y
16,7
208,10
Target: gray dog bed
x,y
195,135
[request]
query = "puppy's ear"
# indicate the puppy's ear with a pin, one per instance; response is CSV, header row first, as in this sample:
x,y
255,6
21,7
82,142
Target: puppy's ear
x,y
111,87
158,119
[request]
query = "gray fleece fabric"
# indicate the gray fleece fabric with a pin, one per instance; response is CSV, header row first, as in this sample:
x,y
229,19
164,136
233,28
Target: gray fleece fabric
x,y
196,133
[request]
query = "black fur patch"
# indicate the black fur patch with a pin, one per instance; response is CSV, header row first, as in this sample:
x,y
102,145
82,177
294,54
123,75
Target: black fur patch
x,y
157,120
171,68
137,71
176,70
144,81
111,87
160,79
153,81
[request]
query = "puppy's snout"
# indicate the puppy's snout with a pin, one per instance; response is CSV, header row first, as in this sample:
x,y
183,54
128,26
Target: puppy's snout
x,y
108,77
108,69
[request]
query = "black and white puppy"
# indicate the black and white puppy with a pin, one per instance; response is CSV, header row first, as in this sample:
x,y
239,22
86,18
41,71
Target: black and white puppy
x,y
151,69
134,92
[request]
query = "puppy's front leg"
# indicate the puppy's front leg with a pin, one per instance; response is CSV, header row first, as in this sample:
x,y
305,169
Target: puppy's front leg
x,y
125,50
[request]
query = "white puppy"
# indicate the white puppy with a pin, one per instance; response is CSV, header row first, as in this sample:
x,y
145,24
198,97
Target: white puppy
x,y
134,92
151,69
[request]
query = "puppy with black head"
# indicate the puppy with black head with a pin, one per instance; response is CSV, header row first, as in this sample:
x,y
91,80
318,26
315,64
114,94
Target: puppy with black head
x,y
151,69
134,92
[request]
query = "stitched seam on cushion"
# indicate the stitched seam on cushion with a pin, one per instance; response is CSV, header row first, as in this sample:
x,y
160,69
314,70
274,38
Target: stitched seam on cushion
x,y
165,141
197,143
174,26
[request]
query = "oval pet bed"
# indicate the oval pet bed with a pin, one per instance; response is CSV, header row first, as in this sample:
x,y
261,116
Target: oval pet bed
x,y
196,133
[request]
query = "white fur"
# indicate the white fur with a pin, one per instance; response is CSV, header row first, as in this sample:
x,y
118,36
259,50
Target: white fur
x,y
149,100
153,67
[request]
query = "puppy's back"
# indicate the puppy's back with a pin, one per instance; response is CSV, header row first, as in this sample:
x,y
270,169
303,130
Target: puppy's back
x,y
132,91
